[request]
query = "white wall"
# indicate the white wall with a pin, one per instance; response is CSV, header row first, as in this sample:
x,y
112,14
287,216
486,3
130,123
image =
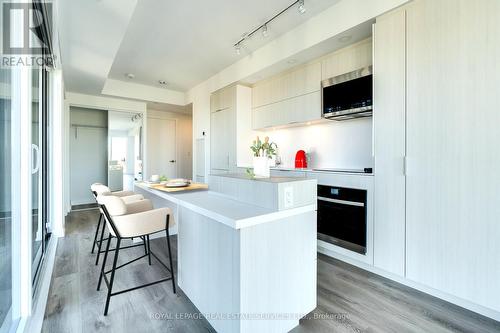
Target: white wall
x,y
184,137
345,144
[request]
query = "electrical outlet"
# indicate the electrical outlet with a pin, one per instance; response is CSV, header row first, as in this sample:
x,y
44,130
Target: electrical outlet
x,y
288,196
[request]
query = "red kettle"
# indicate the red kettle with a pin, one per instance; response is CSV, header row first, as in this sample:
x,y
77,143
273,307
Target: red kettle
x,y
301,160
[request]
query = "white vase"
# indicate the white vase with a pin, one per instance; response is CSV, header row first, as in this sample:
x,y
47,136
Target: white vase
x,y
261,167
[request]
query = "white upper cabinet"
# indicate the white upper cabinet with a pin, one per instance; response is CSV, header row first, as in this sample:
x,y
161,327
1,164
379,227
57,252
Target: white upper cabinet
x,y
290,98
301,81
348,59
389,141
291,111
294,97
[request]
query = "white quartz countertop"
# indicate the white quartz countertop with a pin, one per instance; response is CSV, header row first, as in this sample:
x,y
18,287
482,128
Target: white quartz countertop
x,y
265,180
324,170
224,209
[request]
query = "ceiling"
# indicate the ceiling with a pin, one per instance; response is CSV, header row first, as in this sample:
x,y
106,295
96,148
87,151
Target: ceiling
x,y
182,42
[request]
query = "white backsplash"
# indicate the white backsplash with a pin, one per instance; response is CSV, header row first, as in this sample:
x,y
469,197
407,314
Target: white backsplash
x,y
336,144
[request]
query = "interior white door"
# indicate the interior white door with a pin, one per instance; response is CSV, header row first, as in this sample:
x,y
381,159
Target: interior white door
x,y
161,148
88,161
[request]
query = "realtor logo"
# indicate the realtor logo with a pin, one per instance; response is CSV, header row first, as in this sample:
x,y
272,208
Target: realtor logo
x,y
32,22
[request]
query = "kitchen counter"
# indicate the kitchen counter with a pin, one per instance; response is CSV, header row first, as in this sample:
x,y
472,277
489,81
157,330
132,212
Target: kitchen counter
x,y
246,248
225,208
324,170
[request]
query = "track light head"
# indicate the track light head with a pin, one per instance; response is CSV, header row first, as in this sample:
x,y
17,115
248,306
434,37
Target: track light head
x,y
265,33
301,7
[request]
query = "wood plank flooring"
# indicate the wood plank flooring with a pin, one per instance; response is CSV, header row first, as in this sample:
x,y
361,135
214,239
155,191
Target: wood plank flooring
x,y
349,299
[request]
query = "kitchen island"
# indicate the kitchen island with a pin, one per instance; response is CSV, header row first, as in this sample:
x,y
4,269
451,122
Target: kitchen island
x,y
246,250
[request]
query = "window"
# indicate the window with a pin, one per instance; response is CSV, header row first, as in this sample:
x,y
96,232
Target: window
x,y
5,201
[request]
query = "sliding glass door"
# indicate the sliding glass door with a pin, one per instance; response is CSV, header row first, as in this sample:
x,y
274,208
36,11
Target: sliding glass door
x,y
39,172
36,174
5,201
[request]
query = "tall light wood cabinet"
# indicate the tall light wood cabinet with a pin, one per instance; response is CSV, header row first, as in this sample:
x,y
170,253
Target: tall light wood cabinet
x,y
223,130
389,141
453,201
223,148
230,128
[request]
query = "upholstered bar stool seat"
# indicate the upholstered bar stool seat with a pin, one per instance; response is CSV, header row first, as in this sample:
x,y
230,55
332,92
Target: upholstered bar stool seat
x,y
124,222
100,189
125,208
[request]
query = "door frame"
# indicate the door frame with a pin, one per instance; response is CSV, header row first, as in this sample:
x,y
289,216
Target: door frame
x,y
99,103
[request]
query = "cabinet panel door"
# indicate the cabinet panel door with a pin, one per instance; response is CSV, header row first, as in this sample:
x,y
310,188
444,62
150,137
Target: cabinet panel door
x,y
453,205
306,108
303,80
347,60
294,110
218,140
214,102
389,141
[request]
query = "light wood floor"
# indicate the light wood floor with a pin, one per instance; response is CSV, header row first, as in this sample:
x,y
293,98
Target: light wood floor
x,y
349,299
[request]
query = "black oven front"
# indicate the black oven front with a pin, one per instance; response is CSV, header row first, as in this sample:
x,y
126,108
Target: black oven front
x,y
342,217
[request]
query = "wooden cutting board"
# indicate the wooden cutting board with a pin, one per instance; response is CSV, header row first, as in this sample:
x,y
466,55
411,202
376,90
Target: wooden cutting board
x,y
192,186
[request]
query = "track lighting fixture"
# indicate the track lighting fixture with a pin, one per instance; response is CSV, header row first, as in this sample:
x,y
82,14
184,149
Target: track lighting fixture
x,y
263,27
301,8
265,33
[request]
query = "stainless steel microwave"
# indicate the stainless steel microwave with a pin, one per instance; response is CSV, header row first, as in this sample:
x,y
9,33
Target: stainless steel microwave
x,y
349,95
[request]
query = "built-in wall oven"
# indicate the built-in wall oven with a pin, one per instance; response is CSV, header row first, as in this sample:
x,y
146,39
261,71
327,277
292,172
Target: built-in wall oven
x,y
342,217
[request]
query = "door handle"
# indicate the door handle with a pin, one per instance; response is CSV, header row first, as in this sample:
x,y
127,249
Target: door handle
x,y
36,156
172,161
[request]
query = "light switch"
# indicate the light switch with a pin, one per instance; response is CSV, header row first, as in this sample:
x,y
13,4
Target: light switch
x,y
288,196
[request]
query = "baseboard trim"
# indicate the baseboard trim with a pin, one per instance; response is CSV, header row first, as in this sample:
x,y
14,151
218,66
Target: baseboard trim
x,y
484,311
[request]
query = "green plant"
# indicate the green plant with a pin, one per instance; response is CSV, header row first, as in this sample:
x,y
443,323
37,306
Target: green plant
x,y
250,173
163,178
266,148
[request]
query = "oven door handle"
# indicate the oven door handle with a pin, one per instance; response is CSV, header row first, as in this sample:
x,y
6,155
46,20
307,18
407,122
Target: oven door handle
x,y
342,202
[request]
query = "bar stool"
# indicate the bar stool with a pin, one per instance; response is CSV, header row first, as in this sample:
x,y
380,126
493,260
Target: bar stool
x,y
100,189
122,225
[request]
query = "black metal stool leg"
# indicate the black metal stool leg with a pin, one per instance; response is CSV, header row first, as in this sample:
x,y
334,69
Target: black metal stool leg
x,y
110,289
100,243
149,250
170,257
96,232
145,244
104,263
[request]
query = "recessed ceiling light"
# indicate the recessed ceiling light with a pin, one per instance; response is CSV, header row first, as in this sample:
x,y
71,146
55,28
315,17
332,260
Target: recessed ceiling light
x,y
130,75
237,49
162,82
344,39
